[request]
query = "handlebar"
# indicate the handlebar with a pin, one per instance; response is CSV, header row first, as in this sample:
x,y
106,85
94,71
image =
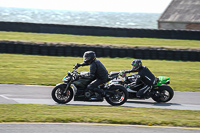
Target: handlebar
x,y
126,71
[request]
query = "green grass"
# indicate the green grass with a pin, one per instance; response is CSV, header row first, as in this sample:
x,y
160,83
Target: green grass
x,y
49,70
98,114
117,41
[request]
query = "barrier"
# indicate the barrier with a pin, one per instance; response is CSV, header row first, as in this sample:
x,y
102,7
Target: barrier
x,y
99,31
101,51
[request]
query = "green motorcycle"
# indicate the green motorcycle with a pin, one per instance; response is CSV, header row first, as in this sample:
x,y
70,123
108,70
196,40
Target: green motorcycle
x,y
161,92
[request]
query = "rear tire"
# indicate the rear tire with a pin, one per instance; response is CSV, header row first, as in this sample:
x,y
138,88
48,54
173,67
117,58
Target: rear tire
x,y
59,97
163,94
120,95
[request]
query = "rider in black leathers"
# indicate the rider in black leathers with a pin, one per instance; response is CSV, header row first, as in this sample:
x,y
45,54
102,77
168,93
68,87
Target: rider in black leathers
x,y
144,76
98,73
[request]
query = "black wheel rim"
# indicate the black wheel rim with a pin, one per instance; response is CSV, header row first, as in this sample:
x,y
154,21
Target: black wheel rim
x,y
62,97
118,97
163,95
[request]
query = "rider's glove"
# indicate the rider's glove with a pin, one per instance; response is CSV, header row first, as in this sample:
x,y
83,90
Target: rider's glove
x,y
122,73
77,65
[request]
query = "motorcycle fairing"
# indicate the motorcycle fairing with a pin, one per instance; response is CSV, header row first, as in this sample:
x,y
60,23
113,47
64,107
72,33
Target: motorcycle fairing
x,y
162,80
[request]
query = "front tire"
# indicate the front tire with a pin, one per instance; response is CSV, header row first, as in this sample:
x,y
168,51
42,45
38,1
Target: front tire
x,y
163,94
120,95
59,97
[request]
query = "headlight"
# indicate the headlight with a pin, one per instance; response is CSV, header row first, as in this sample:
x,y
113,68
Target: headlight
x,y
66,78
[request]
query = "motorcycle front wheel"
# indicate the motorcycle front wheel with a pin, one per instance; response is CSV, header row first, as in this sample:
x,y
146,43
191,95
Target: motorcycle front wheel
x,y
119,96
60,97
163,94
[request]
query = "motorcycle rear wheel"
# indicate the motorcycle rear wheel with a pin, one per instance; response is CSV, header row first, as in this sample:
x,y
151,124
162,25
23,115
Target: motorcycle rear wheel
x,y
59,97
163,94
120,96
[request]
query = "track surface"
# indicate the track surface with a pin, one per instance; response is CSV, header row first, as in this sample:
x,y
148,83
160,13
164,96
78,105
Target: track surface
x,y
88,128
24,94
12,94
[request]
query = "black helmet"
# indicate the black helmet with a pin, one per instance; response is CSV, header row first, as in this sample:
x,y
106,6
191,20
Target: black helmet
x,y
136,64
89,56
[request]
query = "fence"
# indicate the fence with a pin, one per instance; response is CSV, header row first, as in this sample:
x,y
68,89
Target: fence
x,y
99,31
101,51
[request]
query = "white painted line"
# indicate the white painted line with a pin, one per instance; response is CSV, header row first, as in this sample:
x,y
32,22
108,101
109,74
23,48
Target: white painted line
x,y
5,97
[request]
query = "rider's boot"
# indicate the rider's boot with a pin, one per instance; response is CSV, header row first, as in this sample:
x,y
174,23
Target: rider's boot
x,y
100,92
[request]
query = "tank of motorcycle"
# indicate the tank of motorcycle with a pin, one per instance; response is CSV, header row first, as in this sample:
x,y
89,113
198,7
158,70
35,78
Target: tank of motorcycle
x,y
86,73
162,80
82,82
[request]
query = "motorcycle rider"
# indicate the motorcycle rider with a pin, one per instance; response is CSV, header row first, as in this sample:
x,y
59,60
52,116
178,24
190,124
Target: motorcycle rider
x,y
98,72
144,76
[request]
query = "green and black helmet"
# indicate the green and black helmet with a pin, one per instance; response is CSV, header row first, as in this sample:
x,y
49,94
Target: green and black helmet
x,y
136,64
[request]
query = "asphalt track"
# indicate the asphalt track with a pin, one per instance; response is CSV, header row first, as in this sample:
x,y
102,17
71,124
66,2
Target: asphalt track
x,y
25,94
89,128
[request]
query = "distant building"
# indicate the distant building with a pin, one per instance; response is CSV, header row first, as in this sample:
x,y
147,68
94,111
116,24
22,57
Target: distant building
x,y
181,14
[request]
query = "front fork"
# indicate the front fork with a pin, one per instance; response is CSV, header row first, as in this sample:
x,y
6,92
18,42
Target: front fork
x,y
72,86
68,85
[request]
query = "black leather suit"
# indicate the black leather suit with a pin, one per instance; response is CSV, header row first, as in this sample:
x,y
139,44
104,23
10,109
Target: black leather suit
x,y
98,73
145,77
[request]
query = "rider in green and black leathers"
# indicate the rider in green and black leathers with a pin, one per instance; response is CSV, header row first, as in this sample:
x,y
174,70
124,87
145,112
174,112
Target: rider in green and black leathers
x,y
98,72
144,76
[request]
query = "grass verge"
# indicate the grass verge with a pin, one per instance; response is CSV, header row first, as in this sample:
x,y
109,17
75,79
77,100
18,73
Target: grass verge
x,y
98,114
49,70
102,40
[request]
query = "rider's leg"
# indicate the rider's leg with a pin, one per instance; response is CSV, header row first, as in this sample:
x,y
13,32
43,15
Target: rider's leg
x,y
93,86
143,91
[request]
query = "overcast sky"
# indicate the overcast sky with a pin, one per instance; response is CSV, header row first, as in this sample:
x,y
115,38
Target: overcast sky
x,y
145,6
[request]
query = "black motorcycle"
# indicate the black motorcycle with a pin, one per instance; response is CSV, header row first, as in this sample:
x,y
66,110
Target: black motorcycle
x,y
75,86
161,92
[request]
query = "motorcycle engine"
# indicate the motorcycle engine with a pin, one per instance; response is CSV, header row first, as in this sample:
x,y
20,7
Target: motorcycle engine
x,y
87,94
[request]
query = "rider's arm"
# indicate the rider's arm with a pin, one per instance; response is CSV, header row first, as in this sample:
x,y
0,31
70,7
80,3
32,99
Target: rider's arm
x,y
82,64
128,71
